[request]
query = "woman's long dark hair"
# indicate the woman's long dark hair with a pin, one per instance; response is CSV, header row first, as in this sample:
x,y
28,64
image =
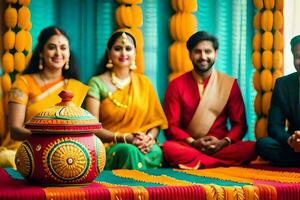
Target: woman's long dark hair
x,y
44,36
102,66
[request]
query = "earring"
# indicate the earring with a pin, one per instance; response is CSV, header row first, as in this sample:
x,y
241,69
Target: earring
x,y
109,65
132,65
41,64
67,65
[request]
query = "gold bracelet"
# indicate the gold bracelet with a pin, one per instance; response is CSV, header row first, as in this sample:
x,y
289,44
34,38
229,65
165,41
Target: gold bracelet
x,y
124,138
228,140
190,140
116,134
150,136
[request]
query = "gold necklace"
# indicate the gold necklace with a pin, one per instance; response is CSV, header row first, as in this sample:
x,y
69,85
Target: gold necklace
x,y
116,102
119,83
43,89
42,80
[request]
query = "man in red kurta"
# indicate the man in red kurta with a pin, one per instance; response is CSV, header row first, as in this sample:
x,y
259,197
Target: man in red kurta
x,y
198,105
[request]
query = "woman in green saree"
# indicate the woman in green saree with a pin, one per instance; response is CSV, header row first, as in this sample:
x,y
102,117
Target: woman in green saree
x,y
127,105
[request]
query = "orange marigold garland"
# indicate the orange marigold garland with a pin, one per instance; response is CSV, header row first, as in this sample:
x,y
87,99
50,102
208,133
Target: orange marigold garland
x,y
267,57
17,48
182,25
129,14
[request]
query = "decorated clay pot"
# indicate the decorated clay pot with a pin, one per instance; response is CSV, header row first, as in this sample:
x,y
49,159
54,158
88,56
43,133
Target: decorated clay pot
x,y
62,149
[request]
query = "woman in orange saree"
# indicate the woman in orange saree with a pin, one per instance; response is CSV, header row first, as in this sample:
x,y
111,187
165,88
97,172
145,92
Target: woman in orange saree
x,y
127,105
51,70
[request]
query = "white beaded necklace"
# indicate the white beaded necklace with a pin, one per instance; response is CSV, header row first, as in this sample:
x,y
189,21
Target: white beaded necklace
x,y
119,83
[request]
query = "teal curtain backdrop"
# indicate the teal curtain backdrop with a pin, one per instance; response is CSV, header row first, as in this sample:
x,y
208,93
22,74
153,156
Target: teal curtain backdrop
x,y
231,22
89,24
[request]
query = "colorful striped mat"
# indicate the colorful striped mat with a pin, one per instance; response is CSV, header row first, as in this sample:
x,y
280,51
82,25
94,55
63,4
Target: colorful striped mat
x,y
255,182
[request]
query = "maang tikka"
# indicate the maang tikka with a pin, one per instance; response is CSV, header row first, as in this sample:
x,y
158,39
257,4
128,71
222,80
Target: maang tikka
x,y
124,38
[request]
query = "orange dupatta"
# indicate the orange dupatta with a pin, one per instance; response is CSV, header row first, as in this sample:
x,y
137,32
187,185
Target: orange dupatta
x,y
50,96
212,103
38,100
143,110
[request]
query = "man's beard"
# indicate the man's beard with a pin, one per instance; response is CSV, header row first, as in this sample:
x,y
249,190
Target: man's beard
x,y
201,70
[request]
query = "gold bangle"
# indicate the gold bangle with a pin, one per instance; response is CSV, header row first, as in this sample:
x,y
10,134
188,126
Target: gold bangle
x,y
116,134
190,140
228,140
151,136
124,138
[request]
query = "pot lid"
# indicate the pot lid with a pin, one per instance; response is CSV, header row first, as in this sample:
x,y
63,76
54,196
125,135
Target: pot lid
x,y
64,117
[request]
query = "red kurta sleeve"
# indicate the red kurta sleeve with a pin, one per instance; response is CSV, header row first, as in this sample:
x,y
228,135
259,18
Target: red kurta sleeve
x,y
173,113
236,114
